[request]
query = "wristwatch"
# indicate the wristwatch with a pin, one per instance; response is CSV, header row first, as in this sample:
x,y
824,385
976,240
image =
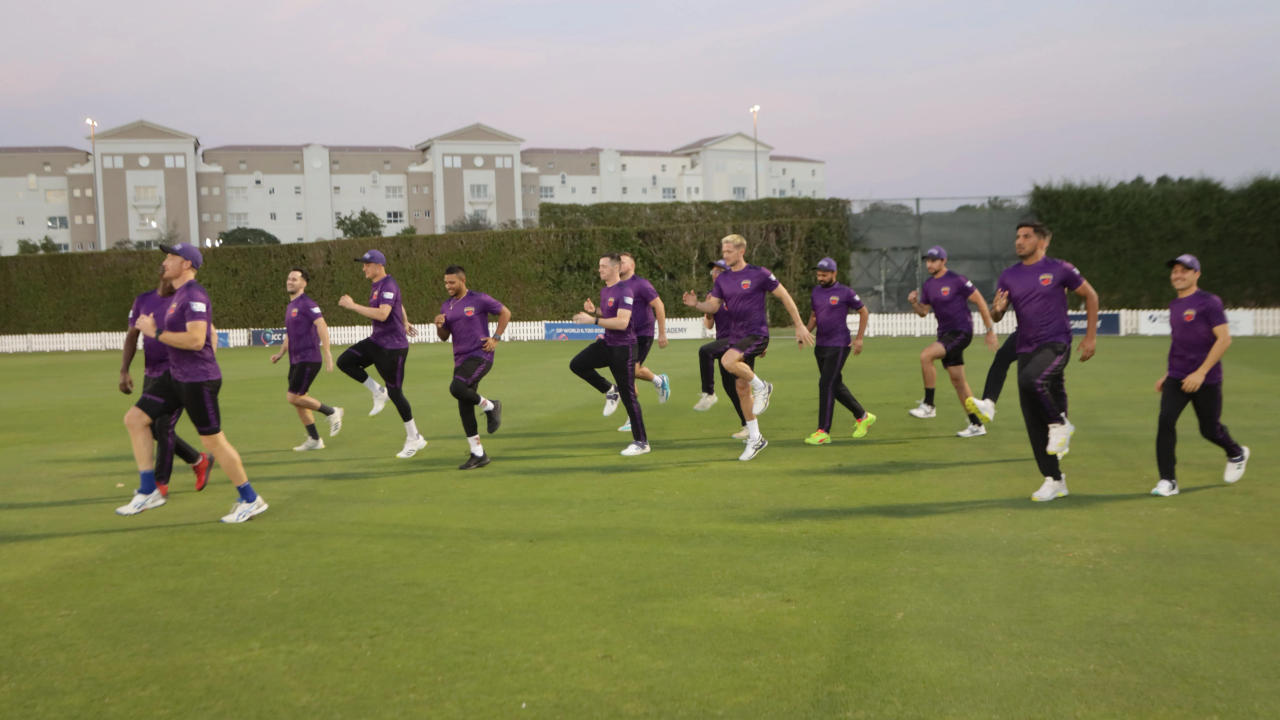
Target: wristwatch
x,y
498,338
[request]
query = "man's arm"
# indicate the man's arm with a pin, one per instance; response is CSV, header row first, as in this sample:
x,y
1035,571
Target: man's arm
x,y
803,336
976,298
813,321
504,317
921,310
999,305
322,332
409,329
1089,344
130,349
709,306
614,323
380,313
1222,341
863,315
284,348
660,315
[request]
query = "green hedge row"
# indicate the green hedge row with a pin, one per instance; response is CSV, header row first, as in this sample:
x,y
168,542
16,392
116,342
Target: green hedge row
x,y
1120,236
553,215
540,274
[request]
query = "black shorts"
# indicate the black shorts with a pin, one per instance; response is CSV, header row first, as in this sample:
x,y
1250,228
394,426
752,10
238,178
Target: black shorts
x,y
469,370
159,396
388,361
301,375
954,342
643,344
201,402
751,346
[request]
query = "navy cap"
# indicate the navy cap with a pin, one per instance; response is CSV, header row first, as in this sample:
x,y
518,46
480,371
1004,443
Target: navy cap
x,y
373,256
718,264
827,264
186,251
937,252
1186,260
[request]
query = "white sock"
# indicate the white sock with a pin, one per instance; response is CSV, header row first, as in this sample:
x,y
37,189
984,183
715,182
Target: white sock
x,y
476,448
757,383
753,430
657,381
485,405
411,430
373,386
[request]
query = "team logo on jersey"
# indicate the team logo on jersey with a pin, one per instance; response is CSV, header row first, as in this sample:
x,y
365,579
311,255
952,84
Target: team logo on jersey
x,y
946,290
173,308
1188,315
611,301
835,300
469,311
293,312
746,284
1045,279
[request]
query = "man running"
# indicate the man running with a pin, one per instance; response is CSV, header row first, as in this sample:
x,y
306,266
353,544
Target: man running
x,y
306,336
709,356
831,304
648,308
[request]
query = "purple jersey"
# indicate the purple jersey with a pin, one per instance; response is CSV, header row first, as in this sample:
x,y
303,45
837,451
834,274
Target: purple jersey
x,y
155,354
831,306
746,291
642,318
467,320
949,297
1038,294
388,333
612,299
300,324
1193,319
190,303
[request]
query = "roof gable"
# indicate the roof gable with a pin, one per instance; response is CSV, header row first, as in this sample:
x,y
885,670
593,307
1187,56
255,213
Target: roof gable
x,y
475,132
143,130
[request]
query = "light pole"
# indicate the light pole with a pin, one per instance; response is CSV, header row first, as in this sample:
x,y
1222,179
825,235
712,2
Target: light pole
x,y
97,193
755,145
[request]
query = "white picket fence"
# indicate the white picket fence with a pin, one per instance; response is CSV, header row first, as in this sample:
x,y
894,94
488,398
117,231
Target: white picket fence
x,y
1258,322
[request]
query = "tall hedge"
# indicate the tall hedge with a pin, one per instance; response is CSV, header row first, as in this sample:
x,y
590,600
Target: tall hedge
x,y
1120,236
540,274
553,215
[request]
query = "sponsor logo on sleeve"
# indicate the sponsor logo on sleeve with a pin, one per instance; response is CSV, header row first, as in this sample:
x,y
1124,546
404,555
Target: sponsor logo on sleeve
x,y
1046,279
197,306
771,277
388,295
1188,315
627,300
315,309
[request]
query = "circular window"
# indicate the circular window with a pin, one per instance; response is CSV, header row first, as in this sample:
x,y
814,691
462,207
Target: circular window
x,y
479,161
316,163
143,161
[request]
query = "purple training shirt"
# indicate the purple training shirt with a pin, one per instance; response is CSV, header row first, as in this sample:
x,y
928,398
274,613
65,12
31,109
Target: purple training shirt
x,y
1038,294
389,333
642,317
1192,320
190,303
612,299
300,324
949,297
746,292
467,320
155,354
831,307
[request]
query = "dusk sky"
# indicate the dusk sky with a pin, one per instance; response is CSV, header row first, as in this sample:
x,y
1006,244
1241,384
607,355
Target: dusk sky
x,y
900,99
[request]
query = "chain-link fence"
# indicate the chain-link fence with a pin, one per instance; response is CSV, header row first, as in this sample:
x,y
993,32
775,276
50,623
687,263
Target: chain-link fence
x,y
891,235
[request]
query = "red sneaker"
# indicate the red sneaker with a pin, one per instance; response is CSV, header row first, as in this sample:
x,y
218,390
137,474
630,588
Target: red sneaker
x,y
201,469
163,488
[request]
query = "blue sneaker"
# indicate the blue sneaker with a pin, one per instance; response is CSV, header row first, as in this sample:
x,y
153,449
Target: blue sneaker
x,y
664,388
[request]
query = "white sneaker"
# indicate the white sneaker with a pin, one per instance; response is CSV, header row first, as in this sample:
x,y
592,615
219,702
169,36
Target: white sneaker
x,y
742,435
635,448
242,510
1051,489
1235,468
379,401
411,447
760,399
311,444
625,427
753,449
142,502
664,388
705,402
972,431
924,410
1060,438
611,399
1165,488
985,409
335,421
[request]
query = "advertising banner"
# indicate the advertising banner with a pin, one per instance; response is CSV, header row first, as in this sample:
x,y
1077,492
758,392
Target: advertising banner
x,y
264,338
1108,323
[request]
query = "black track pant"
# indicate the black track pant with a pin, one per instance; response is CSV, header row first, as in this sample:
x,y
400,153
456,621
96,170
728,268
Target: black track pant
x,y
1207,402
621,361
466,381
1005,356
831,386
390,365
708,360
1042,392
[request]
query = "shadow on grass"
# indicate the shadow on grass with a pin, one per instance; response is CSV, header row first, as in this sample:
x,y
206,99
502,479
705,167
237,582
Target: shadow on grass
x,y
926,509
118,499
9,539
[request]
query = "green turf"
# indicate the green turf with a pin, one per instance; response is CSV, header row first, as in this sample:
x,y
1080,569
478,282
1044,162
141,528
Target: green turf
x,y
903,575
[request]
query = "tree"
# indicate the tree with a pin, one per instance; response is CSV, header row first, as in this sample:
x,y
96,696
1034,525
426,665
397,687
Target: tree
x,y
170,236
247,236
27,247
408,230
475,222
48,246
125,244
365,224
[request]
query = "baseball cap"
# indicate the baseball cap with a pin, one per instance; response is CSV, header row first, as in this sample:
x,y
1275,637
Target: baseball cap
x,y
937,252
1186,260
718,264
373,256
827,264
186,251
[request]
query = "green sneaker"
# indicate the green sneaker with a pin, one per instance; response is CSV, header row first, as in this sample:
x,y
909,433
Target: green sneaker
x,y
819,437
861,426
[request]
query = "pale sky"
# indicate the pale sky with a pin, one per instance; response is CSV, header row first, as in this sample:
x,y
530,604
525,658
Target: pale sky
x,y
900,99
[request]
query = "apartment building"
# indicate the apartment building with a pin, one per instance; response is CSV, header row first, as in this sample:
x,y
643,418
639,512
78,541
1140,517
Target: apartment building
x,y
148,181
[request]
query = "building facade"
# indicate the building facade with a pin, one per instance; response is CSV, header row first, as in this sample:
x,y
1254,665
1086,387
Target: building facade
x,y
147,183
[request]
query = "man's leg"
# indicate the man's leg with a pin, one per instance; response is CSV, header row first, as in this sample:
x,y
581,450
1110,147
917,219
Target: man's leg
x,y
706,365
999,370
594,356
733,361
1172,402
828,359
1207,402
730,384
622,365
929,375
1031,367
201,402
843,395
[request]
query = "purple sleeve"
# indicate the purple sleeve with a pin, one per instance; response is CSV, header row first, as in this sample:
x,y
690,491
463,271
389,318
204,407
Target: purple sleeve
x,y
1214,312
197,308
390,286
494,307
716,292
855,302
1074,279
1001,284
770,283
135,311
647,294
316,312
924,294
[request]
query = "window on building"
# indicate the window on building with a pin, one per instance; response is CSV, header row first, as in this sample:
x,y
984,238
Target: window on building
x,y
644,191
782,193
813,173
88,219
547,192
79,220
573,191
21,221
297,164
417,214
236,220
204,217
593,189
180,160
217,190
784,171
395,192
55,196
88,192
503,161
273,217
394,217
739,193
297,239
337,189
297,216
668,193
624,189
204,190
793,183
297,189
697,190
336,165
663,167
337,217
48,167
146,193
147,221
479,191
168,161
564,179
257,179
655,181
624,167
75,192
551,164
217,217
243,165
236,193
386,165
374,178
271,191
426,213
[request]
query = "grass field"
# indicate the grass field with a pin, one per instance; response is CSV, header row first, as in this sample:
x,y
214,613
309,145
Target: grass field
x,y
903,575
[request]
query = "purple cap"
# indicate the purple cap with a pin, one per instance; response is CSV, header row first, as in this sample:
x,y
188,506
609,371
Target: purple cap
x,y
373,256
719,264
937,252
827,264
1186,260
186,251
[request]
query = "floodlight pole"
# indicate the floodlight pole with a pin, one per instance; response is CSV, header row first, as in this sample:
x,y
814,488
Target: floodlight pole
x,y
755,145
